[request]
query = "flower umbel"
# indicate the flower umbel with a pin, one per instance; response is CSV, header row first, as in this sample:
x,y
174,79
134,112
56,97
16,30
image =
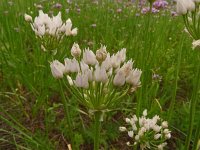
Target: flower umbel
x,y
50,30
190,10
147,133
99,81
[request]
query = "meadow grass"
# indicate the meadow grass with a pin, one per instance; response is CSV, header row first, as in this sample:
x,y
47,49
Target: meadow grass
x,y
31,109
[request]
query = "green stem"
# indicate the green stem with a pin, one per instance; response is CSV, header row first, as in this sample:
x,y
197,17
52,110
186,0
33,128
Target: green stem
x,y
197,136
173,101
66,110
193,103
136,8
151,6
97,116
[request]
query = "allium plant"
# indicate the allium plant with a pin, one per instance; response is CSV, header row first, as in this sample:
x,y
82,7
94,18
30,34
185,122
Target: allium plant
x,y
146,133
50,30
160,4
98,81
190,11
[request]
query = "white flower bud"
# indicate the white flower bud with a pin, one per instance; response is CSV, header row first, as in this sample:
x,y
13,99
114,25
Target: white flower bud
x,y
43,48
142,121
28,18
156,128
68,27
89,57
157,136
119,79
134,127
166,131
127,120
71,65
75,51
137,137
128,143
57,69
190,20
132,122
74,31
67,65
155,119
141,131
70,80
134,77
100,74
41,30
130,134
135,118
161,146
84,66
89,73
165,124
110,71
115,61
81,81
122,129
122,54
101,54
57,20
145,112
118,58
107,62
127,67
168,136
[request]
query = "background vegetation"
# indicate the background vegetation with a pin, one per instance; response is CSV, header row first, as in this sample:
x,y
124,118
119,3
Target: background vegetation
x,y
31,113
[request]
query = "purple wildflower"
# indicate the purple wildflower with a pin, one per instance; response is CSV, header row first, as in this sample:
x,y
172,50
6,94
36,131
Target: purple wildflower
x,y
160,4
147,9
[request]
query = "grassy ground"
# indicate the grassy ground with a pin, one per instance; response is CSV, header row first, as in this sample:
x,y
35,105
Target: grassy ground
x,y
31,109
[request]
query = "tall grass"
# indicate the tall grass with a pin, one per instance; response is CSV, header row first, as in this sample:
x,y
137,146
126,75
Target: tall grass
x,y
157,43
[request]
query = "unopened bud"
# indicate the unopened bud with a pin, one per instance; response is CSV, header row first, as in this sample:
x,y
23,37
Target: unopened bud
x,y
101,54
28,18
75,51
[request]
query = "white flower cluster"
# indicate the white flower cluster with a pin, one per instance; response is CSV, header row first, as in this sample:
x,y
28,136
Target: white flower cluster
x,y
147,133
99,78
190,9
50,30
54,26
183,6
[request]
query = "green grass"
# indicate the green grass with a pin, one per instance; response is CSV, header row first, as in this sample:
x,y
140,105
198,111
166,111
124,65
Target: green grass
x,y
30,96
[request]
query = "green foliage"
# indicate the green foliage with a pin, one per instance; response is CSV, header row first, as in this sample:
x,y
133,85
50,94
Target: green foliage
x,y
29,92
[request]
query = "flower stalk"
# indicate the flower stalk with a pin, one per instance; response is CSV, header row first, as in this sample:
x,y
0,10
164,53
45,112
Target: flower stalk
x,y
67,112
97,121
190,11
193,105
